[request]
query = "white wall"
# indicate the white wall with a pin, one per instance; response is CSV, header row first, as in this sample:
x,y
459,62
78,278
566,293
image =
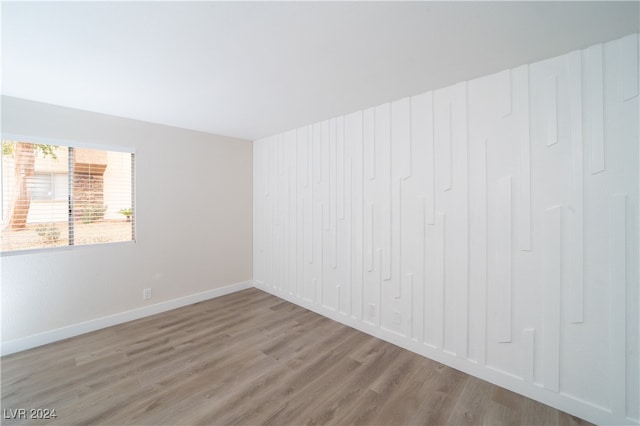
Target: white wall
x,y
193,228
491,225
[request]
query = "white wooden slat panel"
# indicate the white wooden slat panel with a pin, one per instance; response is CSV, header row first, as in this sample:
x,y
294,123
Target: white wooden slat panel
x,y
316,214
383,186
437,303
594,106
575,299
341,161
400,170
419,285
281,161
630,75
396,237
354,139
461,196
257,204
292,161
422,135
503,267
275,180
552,287
551,110
617,302
368,131
520,81
478,243
368,238
528,354
316,152
320,270
345,242
307,142
444,135
326,179
401,138
302,187
333,192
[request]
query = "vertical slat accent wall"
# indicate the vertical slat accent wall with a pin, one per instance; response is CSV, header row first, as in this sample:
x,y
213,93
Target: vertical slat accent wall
x,y
491,225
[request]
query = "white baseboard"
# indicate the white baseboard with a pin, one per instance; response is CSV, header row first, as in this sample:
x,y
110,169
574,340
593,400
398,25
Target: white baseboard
x,y
24,343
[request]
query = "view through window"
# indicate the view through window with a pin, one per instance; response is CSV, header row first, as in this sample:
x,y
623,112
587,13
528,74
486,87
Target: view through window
x,y
55,195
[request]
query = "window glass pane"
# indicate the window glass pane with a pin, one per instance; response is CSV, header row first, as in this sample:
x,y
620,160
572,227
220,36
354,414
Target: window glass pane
x,y
60,186
49,186
102,196
31,217
40,186
36,202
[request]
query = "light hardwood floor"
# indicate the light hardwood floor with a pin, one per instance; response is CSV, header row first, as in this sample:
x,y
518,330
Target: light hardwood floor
x,y
250,358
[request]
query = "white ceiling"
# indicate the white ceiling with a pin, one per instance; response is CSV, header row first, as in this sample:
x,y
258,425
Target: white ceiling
x,y
254,69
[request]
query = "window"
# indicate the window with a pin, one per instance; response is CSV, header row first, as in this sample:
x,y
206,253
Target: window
x,y
55,195
49,186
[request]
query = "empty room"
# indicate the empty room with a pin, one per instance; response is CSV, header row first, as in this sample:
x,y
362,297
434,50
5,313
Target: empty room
x,y
304,213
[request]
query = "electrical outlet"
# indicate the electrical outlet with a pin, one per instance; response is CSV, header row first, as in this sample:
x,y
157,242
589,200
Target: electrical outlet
x,y
146,294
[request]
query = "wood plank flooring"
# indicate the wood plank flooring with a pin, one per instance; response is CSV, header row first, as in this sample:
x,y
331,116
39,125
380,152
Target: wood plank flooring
x,y
250,358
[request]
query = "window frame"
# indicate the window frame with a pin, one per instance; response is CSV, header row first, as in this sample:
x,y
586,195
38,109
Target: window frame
x,y
69,143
